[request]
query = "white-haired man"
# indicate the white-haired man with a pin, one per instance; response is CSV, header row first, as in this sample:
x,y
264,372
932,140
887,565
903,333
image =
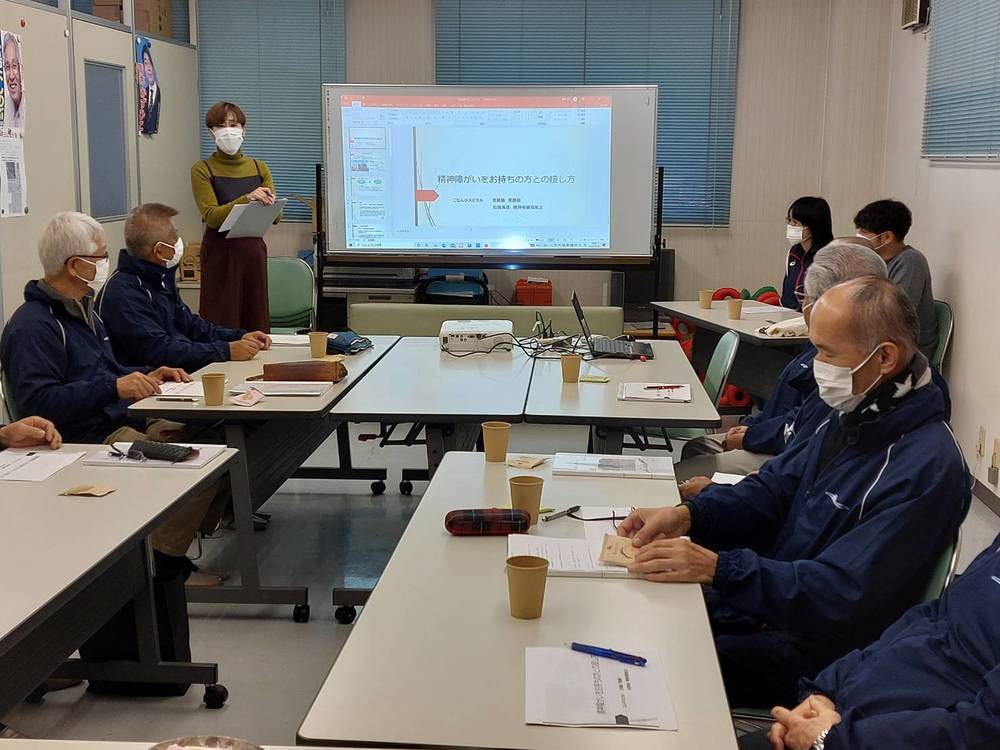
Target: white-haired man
x,y
761,437
60,365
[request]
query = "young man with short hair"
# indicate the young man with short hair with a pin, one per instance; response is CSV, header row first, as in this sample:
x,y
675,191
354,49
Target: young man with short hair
x,y
885,224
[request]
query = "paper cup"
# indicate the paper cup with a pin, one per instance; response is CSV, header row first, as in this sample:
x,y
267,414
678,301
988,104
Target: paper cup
x,y
570,367
495,438
317,344
526,495
526,585
214,385
735,309
705,299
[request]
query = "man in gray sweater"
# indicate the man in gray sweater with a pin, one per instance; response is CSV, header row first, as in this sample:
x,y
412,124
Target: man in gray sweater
x,y
885,224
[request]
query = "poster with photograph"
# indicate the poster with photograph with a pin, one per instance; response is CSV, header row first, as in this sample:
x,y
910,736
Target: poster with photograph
x,y
13,180
149,91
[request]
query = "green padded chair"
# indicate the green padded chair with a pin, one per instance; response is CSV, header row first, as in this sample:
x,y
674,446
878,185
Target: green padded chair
x,y
716,377
291,291
8,402
946,324
756,718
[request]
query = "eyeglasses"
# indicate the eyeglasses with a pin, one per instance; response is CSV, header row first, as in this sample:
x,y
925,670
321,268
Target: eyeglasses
x,y
615,519
132,455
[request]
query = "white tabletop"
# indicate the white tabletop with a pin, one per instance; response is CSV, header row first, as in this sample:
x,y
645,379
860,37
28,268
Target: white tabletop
x,y
553,402
435,659
48,542
717,319
417,381
273,406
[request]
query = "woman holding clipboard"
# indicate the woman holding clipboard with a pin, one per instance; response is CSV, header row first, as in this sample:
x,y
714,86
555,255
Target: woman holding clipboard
x,y
233,271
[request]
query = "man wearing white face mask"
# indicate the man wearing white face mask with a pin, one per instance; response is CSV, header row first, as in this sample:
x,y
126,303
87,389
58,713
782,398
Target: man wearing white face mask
x,y
145,316
233,270
55,350
835,538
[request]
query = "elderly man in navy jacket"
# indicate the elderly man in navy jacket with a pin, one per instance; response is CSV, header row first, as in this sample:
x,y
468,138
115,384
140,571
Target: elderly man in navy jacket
x,y
762,436
835,538
60,366
931,681
146,319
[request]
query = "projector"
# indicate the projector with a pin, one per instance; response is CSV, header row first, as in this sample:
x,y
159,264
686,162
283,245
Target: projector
x,y
476,335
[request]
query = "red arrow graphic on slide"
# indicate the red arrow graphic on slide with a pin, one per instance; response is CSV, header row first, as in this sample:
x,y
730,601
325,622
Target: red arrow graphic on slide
x,y
427,196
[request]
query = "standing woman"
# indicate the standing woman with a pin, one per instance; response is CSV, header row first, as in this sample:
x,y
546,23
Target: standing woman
x,y
809,228
233,271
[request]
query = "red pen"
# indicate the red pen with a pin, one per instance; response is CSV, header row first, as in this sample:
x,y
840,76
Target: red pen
x,y
661,387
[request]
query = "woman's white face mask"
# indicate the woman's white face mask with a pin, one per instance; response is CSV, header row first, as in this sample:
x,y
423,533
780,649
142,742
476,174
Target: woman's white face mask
x,y
228,140
836,383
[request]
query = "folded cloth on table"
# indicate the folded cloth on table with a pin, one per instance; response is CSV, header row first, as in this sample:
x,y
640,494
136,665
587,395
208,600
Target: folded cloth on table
x,y
786,328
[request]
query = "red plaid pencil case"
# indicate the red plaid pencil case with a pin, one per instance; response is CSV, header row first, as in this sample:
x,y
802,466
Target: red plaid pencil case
x,y
487,522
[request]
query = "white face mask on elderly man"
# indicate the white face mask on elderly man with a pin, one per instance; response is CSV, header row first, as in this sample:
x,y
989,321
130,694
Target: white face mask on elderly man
x,y
836,384
229,140
102,268
178,252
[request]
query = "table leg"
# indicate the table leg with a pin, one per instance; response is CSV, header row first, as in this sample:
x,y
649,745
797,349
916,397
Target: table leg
x,y
442,438
249,591
608,440
137,567
345,468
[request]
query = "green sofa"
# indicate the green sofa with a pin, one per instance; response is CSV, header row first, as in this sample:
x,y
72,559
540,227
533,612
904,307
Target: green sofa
x,y
379,318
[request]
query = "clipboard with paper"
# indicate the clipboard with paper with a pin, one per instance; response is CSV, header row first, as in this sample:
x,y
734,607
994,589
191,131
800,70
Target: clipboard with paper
x,y
251,219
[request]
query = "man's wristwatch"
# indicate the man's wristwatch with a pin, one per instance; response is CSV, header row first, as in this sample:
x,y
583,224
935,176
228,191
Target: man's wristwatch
x,y
820,743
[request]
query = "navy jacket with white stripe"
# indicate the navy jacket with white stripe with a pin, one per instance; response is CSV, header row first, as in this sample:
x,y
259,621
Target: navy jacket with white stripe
x,y
149,323
61,368
833,557
932,681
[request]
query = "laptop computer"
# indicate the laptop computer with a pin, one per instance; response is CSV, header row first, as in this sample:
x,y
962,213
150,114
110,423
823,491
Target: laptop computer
x,y
605,347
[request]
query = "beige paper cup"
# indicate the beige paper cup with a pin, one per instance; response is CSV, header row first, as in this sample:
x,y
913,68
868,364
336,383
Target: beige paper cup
x,y
214,385
496,435
705,299
570,367
735,309
526,495
317,344
526,585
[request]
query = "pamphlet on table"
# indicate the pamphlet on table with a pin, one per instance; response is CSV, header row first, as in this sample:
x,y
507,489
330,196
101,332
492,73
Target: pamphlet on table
x,y
33,464
206,454
566,688
673,393
622,467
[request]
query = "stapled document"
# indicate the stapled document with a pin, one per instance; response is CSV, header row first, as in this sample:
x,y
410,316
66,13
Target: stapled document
x,y
570,689
34,465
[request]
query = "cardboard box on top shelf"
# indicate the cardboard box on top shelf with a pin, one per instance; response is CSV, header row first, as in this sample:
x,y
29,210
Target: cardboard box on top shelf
x,y
109,10
154,17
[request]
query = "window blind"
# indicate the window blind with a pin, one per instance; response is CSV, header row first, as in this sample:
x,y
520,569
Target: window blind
x,y
962,112
271,59
687,47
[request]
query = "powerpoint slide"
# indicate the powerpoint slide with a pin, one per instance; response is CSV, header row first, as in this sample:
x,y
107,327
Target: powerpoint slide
x,y
459,173
503,177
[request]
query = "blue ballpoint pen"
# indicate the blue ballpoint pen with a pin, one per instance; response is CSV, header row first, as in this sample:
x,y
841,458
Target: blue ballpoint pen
x,y
607,653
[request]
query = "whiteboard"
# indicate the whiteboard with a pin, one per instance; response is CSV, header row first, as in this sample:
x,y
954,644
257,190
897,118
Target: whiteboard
x,y
493,173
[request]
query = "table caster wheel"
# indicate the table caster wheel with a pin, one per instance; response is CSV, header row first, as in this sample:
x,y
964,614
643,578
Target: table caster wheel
x,y
406,487
345,615
216,696
378,488
301,613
